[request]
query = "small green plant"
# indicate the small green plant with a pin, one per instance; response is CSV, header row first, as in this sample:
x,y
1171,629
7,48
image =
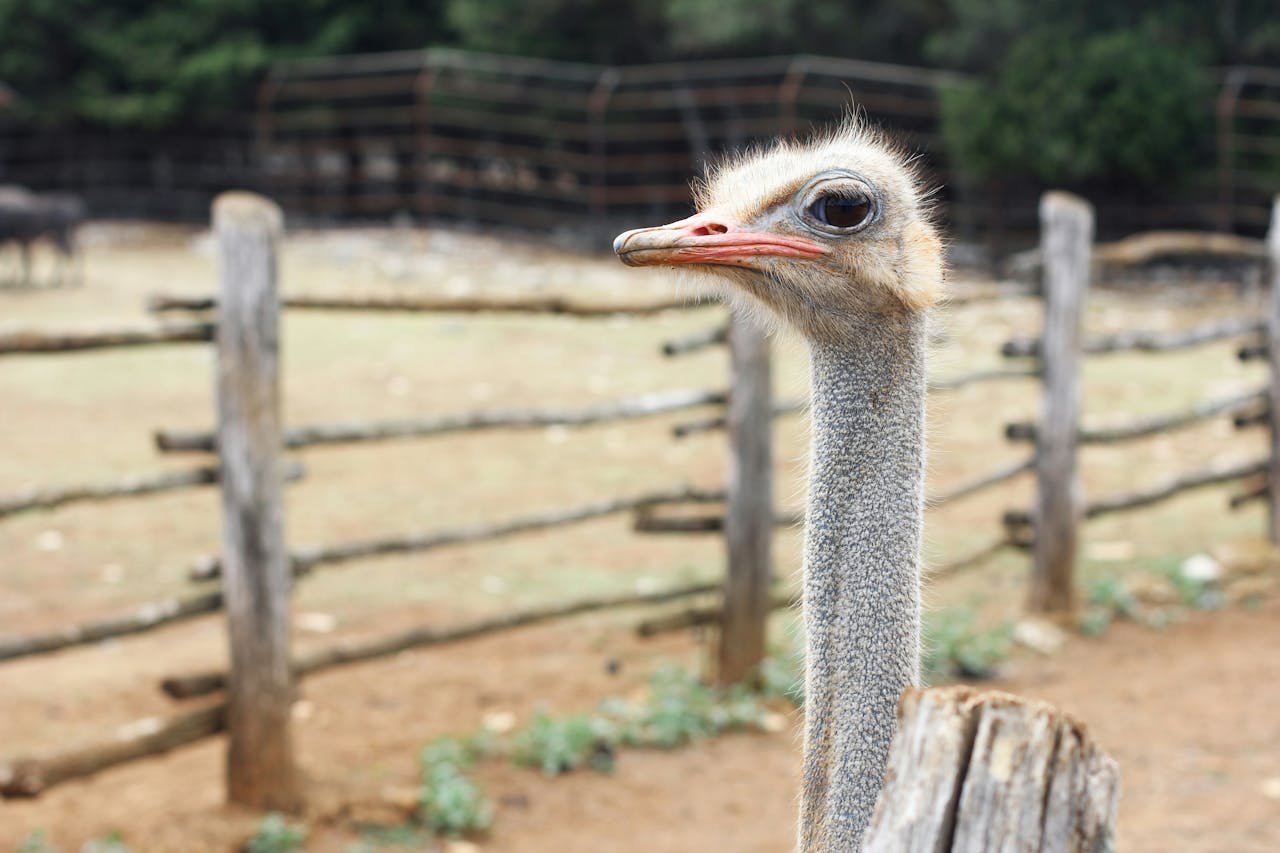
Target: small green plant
x,y
35,842
276,835
112,842
449,802
558,745
954,647
1192,591
1106,598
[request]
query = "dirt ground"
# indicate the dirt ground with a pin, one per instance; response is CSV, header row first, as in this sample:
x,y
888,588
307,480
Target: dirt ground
x,y
1192,712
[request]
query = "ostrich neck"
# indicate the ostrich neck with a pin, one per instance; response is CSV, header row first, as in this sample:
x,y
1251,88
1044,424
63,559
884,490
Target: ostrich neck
x,y
862,570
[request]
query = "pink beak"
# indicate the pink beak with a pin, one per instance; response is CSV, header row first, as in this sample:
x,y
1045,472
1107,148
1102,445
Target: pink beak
x,y
708,238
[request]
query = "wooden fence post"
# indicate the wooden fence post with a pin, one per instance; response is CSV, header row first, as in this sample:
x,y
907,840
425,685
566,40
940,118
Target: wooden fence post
x,y
1273,388
1066,224
749,510
976,771
256,573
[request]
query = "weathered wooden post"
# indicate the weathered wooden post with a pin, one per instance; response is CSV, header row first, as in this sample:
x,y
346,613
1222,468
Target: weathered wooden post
x,y
1273,389
255,561
1066,224
971,772
749,510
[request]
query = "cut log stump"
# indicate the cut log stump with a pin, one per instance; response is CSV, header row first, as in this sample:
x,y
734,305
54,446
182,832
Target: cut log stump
x,y
972,771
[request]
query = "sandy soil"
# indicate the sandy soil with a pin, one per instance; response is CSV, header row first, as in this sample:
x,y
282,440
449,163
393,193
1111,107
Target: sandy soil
x,y
1190,713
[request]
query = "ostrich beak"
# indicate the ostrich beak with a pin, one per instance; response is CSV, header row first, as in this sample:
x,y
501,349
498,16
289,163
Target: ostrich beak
x,y
708,238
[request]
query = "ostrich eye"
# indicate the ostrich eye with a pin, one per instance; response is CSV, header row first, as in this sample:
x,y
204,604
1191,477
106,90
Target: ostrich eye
x,y
841,211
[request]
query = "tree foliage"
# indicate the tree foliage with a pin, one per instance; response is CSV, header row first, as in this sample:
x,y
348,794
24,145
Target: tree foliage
x,y
155,62
1119,105
1067,89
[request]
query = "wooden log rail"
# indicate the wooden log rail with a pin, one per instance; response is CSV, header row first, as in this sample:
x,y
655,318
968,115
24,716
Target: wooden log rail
x,y
974,771
143,617
29,341
1252,492
649,521
1254,351
718,422
50,497
980,483
999,374
1155,494
31,776
1146,341
305,560
696,341
1143,427
791,407
698,616
433,303
355,651
963,490
350,432
1139,249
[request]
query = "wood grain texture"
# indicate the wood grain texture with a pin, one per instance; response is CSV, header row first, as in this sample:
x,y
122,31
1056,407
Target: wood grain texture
x,y
749,504
1067,232
261,771
973,772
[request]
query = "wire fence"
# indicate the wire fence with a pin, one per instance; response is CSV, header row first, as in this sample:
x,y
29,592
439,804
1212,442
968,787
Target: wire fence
x,y
442,134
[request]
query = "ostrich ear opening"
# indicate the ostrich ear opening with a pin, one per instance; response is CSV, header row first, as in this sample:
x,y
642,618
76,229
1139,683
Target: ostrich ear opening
x,y
920,284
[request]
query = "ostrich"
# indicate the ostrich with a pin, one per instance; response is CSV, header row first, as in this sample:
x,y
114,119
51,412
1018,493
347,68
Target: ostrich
x,y
834,238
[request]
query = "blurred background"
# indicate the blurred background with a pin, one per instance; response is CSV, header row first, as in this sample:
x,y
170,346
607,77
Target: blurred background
x,y
1164,113
515,524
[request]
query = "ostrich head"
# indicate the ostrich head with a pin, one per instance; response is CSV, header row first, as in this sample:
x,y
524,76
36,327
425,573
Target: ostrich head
x,y
829,235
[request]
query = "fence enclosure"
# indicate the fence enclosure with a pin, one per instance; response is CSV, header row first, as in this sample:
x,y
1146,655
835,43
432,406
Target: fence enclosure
x,y
442,134
257,570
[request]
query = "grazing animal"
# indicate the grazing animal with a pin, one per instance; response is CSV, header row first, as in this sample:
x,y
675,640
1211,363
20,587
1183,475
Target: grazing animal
x,y
834,237
25,217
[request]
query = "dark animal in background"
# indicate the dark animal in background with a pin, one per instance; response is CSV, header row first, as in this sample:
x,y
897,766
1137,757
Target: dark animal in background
x,y
26,217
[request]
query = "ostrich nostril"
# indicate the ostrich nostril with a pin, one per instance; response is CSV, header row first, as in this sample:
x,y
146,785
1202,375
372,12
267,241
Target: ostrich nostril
x,y
710,228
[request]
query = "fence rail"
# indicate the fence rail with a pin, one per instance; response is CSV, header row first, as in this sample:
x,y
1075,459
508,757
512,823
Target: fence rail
x,y
1064,259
